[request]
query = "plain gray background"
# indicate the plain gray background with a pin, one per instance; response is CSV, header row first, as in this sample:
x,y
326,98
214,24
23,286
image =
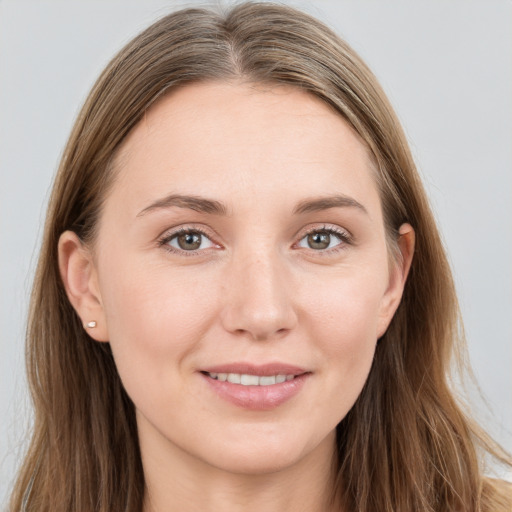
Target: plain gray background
x,y
447,68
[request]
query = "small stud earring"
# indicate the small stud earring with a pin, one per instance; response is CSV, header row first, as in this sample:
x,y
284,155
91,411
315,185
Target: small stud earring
x,y
90,325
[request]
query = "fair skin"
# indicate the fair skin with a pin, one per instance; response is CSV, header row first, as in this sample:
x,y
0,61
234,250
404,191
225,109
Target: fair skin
x,y
265,275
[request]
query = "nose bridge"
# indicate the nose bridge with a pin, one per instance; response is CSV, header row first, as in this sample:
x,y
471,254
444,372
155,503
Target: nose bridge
x,y
257,300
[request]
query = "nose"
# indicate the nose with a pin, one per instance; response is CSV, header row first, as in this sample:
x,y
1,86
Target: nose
x,y
258,297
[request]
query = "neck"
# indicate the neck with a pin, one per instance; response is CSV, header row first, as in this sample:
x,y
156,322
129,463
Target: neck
x,y
175,480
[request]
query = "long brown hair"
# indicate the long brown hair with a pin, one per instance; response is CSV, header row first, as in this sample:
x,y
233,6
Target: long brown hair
x,y
406,445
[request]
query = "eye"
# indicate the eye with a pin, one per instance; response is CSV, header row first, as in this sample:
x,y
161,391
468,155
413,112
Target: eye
x,y
323,239
188,240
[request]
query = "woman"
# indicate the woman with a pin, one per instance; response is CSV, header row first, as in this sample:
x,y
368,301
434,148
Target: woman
x,y
242,300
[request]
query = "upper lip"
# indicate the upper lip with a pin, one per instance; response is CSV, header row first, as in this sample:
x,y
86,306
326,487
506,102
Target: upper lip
x,y
256,369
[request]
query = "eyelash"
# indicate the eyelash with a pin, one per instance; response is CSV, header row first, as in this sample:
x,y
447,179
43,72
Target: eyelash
x,y
167,237
344,237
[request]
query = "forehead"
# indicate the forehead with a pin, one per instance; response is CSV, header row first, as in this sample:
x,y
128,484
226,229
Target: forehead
x,y
227,139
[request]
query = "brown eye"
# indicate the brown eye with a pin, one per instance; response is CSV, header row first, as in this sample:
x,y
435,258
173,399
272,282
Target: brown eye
x,y
324,239
319,240
190,241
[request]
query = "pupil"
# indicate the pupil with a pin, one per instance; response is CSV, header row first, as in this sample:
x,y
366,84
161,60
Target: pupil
x,y
189,241
319,240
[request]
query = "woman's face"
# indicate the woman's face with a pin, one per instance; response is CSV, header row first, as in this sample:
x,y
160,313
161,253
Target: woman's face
x,y
243,239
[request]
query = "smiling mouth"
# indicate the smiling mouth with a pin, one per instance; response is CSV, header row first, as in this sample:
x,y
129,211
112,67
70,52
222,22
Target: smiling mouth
x,y
245,379
256,387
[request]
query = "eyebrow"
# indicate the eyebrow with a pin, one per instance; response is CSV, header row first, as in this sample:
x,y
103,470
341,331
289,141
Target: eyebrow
x,y
324,203
211,206
196,203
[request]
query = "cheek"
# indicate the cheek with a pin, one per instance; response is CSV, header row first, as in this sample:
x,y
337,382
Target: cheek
x,y
347,306
151,300
153,321
344,322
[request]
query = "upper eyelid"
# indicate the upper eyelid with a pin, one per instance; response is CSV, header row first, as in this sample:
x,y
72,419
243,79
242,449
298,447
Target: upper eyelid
x,y
177,230
324,227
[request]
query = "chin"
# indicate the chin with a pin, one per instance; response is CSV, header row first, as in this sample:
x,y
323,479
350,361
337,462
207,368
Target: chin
x,y
271,454
257,463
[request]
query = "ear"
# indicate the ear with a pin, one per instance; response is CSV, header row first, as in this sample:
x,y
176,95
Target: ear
x,y
80,280
399,270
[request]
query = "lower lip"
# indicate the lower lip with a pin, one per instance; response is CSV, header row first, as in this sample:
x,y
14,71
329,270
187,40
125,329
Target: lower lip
x,y
257,398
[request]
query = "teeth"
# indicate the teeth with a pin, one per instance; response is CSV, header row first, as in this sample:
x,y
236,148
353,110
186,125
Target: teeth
x,y
251,380
234,378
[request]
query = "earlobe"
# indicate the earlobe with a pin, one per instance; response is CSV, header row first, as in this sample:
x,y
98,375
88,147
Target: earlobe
x,y
80,280
398,277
